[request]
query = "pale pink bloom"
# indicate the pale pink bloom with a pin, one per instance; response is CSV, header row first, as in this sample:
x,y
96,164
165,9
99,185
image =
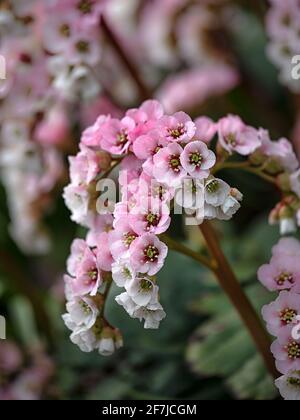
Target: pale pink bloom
x,y
287,247
150,215
83,312
289,385
121,239
54,129
146,146
83,48
149,111
197,159
116,135
92,135
85,166
283,273
286,351
167,165
281,150
147,254
235,136
282,313
177,128
78,248
104,257
88,276
205,129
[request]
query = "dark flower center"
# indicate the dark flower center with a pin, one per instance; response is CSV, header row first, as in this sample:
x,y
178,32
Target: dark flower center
x,y
287,316
83,47
86,6
122,137
293,350
196,159
283,278
213,186
152,219
174,163
151,253
177,132
128,239
65,30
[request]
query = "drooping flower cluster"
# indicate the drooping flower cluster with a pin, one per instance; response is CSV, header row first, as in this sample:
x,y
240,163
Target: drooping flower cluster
x,y
165,164
283,30
282,316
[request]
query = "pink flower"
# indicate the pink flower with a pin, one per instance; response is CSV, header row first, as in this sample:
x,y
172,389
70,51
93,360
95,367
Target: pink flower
x,y
286,351
197,159
282,313
287,247
281,150
116,135
92,135
147,254
86,165
121,240
235,136
167,165
104,257
150,215
78,248
177,128
205,129
150,110
283,273
148,145
88,275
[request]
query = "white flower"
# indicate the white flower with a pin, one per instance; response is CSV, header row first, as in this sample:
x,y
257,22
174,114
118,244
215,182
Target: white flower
x,y
106,346
122,272
289,386
128,304
287,226
77,201
229,208
153,314
85,340
83,312
141,290
216,192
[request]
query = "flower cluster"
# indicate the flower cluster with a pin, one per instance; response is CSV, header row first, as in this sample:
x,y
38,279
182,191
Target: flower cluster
x,y
283,30
37,113
282,274
165,163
